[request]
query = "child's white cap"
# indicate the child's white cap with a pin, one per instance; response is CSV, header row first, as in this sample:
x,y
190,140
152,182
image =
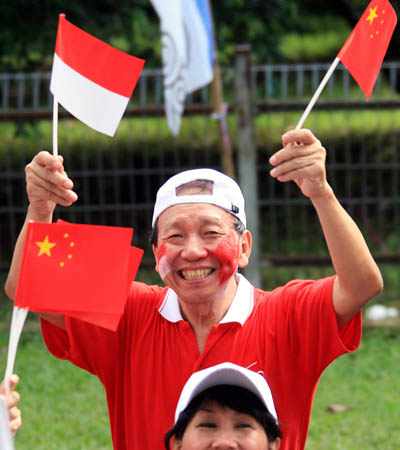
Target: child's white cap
x,y
226,373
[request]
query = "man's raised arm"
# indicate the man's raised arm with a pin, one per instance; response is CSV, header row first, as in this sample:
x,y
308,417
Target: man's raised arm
x,y
302,160
47,185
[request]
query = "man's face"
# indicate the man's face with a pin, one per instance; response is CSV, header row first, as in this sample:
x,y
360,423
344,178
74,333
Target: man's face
x,y
198,250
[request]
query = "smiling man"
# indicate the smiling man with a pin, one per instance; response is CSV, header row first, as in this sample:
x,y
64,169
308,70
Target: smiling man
x,y
199,240
208,313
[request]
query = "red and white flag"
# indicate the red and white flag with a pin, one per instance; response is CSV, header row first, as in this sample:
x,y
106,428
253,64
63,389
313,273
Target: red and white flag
x,y
91,79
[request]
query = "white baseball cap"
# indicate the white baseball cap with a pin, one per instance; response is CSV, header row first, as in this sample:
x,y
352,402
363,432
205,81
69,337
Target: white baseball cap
x,y
226,193
230,374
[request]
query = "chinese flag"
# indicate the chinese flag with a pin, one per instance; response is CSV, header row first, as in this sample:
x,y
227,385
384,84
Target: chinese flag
x,y
79,270
106,319
365,48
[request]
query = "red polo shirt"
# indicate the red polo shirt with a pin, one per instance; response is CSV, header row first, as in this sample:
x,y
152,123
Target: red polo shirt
x,y
289,335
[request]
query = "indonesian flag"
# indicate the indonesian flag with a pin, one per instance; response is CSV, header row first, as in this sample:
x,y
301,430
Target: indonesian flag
x,y
91,79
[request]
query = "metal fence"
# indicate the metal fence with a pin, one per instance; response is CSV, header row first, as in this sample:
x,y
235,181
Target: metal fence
x,y
116,179
29,92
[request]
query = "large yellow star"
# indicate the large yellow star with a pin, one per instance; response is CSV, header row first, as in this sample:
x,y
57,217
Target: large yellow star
x,y
45,246
372,15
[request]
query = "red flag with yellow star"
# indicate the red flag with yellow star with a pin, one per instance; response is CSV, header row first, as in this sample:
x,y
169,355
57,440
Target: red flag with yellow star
x,y
83,271
365,48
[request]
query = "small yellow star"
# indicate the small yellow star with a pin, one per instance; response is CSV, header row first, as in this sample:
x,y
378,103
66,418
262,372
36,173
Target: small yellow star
x,y
45,246
372,15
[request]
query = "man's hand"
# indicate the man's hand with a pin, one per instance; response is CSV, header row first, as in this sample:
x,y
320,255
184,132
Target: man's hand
x,y
302,160
47,185
12,399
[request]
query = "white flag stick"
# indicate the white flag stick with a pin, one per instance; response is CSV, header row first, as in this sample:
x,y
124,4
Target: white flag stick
x,y
55,126
317,93
6,442
11,340
17,324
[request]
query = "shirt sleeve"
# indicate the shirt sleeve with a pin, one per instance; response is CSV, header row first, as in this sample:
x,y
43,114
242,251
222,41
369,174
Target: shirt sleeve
x,y
96,349
87,346
306,324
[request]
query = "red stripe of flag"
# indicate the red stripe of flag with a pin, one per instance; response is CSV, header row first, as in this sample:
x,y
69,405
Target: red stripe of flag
x,y
97,61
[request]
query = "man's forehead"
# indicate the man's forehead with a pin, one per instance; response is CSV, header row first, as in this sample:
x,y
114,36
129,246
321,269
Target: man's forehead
x,y
195,187
205,213
206,186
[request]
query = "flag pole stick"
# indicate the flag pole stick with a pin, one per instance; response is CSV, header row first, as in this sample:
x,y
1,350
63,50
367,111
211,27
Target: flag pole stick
x,y
17,324
317,93
220,111
6,440
55,126
11,340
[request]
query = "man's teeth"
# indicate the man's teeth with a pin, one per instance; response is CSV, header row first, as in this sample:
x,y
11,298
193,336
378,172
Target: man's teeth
x,y
195,274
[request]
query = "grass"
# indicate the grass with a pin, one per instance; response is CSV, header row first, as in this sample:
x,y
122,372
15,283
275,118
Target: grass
x,y
65,407
367,380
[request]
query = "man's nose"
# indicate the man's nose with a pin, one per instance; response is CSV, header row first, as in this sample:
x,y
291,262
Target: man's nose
x,y
194,248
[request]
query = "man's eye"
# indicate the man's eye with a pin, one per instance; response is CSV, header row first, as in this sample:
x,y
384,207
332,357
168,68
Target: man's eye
x,y
211,233
175,236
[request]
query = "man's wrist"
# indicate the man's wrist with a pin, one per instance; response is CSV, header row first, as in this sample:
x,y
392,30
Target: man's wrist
x,y
324,194
38,216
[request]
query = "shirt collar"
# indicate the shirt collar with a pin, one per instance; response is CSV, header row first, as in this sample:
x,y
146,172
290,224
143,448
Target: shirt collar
x,y
240,309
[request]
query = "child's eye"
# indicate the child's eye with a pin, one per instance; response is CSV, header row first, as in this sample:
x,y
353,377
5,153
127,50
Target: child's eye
x,y
207,425
243,425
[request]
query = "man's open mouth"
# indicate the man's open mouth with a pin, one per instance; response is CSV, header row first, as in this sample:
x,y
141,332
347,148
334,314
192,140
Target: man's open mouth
x,y
197,274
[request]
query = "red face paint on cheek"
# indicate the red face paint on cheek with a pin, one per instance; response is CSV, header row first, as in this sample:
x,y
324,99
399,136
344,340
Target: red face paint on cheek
x,y
227,254
163,265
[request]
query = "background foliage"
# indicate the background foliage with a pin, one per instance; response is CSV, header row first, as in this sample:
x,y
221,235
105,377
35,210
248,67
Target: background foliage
x,y
278,30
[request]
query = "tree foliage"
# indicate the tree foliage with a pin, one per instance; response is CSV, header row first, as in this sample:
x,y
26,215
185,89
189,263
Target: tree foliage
x,y
278,30
28,32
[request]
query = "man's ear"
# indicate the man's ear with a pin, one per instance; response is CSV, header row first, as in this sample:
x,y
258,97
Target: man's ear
x,y
246,241
154,248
